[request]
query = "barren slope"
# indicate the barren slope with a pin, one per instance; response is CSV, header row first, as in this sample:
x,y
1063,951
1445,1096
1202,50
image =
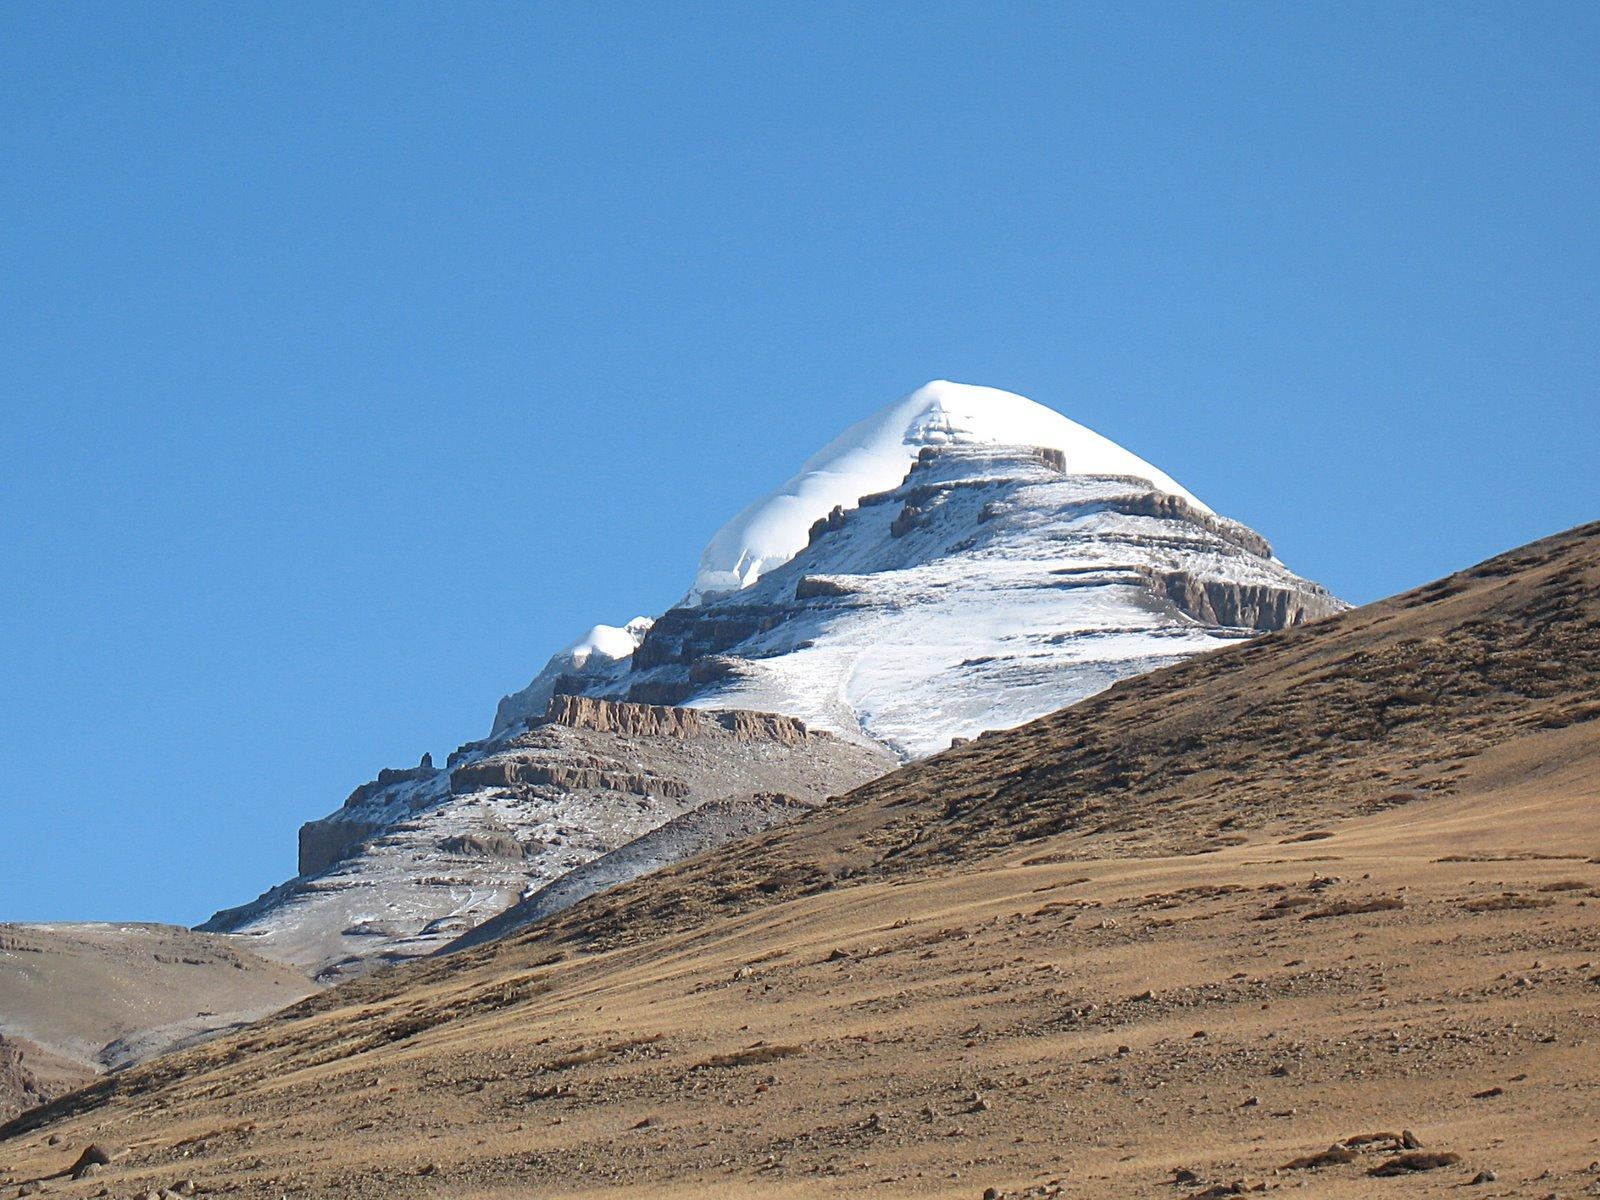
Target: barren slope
x,y
1339,881
77,999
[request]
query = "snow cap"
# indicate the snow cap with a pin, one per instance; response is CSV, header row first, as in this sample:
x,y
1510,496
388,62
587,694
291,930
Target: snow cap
x,y
874,455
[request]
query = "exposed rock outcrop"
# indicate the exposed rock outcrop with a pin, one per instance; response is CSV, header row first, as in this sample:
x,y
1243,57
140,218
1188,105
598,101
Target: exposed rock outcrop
x,y
1243,605
325,842
390,776
1167,507
655,720
489,844
814,587
586,773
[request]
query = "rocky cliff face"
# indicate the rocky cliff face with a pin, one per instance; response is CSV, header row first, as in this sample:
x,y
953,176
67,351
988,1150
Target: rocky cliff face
x,y
419,856
656,720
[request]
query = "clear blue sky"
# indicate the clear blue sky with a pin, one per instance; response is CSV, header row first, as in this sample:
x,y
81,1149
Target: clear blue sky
x,y
356,357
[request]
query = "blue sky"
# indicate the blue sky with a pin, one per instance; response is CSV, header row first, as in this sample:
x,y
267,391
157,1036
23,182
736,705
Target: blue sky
x,y
354,358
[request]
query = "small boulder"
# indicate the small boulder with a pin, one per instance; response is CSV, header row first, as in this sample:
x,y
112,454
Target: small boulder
x,y
93,1156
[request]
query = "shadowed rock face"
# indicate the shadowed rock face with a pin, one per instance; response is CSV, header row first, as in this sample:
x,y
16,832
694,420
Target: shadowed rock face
x,y
323,843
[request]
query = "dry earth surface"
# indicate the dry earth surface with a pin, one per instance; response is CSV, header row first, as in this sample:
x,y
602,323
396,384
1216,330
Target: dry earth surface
x,y
1261,921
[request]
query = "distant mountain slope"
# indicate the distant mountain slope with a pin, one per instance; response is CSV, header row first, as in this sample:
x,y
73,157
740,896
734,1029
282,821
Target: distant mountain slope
x,y
1273,915
77,999
713,824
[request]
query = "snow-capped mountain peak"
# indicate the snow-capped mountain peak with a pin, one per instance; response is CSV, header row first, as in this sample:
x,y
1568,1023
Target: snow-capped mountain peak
x,y
874,454
962,560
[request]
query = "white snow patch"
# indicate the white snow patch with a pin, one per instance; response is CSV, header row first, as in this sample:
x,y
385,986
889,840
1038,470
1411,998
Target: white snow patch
x,y
874,454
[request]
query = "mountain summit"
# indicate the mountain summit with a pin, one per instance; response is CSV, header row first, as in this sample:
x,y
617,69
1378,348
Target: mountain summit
x,y
874,454
963,559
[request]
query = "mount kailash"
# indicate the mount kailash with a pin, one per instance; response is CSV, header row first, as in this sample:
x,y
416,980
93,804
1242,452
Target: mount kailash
x,y
963,560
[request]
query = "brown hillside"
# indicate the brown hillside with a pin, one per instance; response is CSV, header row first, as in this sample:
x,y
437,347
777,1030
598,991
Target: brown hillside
x,y
1242,919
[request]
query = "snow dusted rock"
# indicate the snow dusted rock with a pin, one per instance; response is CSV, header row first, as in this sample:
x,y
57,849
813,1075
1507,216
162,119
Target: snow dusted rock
x,y
963,560
418,857
600,654
874,455
715,823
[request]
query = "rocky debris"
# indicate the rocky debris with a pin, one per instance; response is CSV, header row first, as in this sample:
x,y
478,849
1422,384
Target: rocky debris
x,y
1332,1156
1415,1160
